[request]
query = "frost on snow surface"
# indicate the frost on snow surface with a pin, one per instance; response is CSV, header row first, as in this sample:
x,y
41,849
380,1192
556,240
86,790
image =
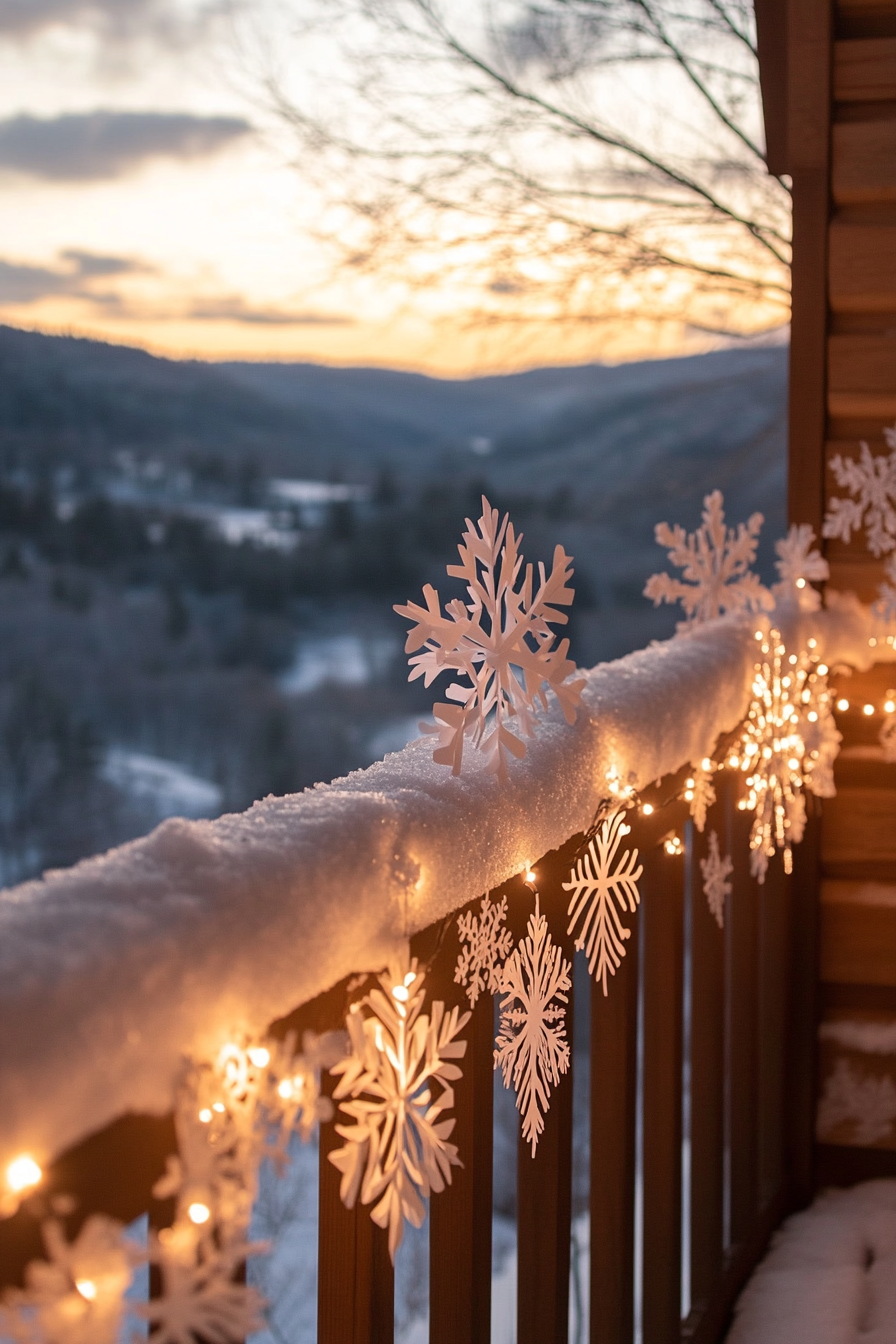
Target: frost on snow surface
x,y
872,484
531,1049
598,884
207,931
830,1276
500,640
715,563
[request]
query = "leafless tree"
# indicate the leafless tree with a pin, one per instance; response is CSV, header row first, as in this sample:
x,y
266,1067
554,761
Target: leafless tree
x,y
544,160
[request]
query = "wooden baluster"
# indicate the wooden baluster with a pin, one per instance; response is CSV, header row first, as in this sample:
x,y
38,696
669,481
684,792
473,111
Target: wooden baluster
x,y
743,985
614,1042
662,907
355,1279
773,950
707,1055
544,1184
460,1229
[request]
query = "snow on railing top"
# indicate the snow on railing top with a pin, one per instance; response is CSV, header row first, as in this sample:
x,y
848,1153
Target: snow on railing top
x,y
111,970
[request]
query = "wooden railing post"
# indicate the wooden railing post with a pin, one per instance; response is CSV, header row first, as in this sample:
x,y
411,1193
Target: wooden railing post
x,y
743,994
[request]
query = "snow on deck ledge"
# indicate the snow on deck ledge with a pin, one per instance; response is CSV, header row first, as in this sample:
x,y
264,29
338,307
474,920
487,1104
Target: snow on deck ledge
x,y
110,971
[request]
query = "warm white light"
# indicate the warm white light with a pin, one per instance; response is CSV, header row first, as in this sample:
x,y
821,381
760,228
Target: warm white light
x,y
822,669
734,762
689,795
843,703
801,583
812,716
410,978
285,1089
873,642
22,1173
199,1213
87,1288
706,764
673,845
259,1056
647,809
794,763
889,706
530,875
400,993
758,634
689,783
205,1115
868,710
813,643
219,1107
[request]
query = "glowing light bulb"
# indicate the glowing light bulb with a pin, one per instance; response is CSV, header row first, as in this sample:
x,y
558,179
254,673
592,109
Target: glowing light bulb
x,y
87,1289
22,1173
890,706
812,716
822,669
843,703
400,993
259,1056
794,763
813,643
873,642
410,978
199,1213
868,710
758,634
530,874
219,1107
205,1115
285,1089
647,809
801,583
706,764
673,845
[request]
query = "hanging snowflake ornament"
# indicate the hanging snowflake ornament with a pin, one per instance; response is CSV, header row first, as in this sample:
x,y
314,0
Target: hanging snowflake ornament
x,y
716,872
599,885
872,484
531,1049
397,1153
200,1298
715,563
699,791
799,566
500,640
885,606
789,697
486,944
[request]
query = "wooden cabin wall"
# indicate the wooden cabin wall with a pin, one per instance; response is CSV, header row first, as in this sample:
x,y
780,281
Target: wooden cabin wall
x,y
841,152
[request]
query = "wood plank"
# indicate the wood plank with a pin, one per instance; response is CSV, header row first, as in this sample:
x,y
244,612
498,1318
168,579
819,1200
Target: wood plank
x,y
743,977
859,827
864,162
865,69
774,945
861,575
771,44
614,1026
862,376
862,268
460,1235
544,1183
707,1056
662,930
802,1013
858,933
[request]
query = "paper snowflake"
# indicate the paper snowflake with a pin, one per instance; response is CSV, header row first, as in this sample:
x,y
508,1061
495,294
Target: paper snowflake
x,y
866,1104
397,1153
531,1048
500,640
872,483
716,887
715,563
487,942
790,704
76,1295
799,566
887,736
598,887
200,1301
699,791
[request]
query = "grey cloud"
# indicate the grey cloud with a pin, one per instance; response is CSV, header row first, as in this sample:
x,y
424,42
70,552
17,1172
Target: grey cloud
x,y
235,309
97,146
114,21
28,284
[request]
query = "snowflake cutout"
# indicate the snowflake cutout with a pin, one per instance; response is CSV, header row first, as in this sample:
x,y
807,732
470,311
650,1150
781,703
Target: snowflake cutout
x,y
500,640
531,1048
887,736
487,945
867,1104
699,791
716,887
715,563
885,606
789,743
799,566
200,1302
597,888
397,1153
872,480
76,1295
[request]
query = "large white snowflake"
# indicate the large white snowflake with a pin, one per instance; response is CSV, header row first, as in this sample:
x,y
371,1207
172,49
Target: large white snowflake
x,y
699,791
200,1302
715,563
397,1152
789,742
799,566
500,640
716,872
531,1048
486,943
598,887
872,483
867,1104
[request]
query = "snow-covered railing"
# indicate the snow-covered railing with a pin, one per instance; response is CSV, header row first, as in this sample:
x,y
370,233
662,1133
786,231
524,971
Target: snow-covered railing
x,y
203,931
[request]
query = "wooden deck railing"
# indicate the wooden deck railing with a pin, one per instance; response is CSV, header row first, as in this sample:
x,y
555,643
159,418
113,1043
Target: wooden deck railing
x,y
700,1118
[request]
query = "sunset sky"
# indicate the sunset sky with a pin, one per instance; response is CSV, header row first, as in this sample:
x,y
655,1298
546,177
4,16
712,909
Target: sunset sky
x,y
148,198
